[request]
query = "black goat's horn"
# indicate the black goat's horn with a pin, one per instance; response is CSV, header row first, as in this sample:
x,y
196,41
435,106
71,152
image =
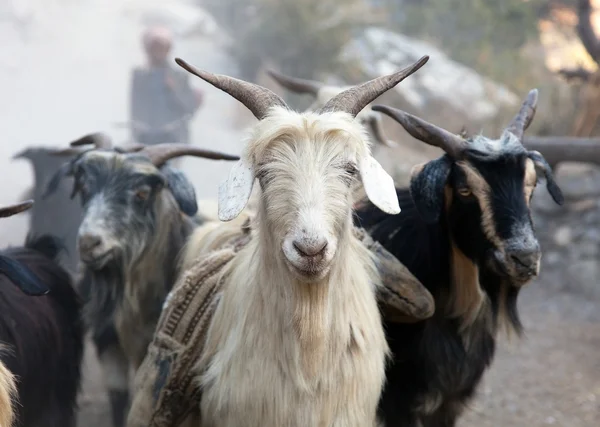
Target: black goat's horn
x,y
15,209
425,131
523,119
98,139
159,154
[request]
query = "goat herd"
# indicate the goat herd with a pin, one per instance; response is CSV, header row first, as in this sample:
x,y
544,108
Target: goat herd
x,y
307,327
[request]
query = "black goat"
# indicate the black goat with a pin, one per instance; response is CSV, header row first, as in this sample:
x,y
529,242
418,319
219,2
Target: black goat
x,y
42,335
465,231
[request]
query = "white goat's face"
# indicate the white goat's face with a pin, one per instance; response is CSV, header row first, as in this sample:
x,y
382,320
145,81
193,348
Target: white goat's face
x,y
306,181
307,166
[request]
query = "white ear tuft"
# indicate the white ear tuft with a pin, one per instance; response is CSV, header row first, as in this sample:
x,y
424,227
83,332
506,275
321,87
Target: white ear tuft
x,y
379,186
235,191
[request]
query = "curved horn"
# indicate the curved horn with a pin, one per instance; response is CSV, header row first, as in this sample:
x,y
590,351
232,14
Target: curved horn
x,y
425,131
126,148
523,119
256,98
98,139
353,100
159,154
296,84
15,209
378,133
24,154
130,147
65,151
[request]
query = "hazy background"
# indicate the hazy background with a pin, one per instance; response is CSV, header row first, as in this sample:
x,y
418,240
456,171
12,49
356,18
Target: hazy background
x,y
64,72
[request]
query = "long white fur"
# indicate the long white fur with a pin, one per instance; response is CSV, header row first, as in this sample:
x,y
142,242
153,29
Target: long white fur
x,y
286,350
8,392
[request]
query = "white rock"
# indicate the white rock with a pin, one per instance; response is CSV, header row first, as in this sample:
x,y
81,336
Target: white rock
x,y
441,84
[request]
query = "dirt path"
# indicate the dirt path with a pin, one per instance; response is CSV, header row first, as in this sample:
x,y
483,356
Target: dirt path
x,y
552,375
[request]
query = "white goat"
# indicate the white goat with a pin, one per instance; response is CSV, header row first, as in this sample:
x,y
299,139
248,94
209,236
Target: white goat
x,y
323,93
297,338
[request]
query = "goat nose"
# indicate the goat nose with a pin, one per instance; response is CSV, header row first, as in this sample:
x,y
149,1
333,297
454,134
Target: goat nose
x,y
310,248
89,242
526,260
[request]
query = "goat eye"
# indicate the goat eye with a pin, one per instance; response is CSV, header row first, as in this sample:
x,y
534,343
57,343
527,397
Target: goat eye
x,y
142,194
465,192
80,187
351,169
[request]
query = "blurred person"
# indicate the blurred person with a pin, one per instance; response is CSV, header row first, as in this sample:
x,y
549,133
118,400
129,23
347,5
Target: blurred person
x,y
162,102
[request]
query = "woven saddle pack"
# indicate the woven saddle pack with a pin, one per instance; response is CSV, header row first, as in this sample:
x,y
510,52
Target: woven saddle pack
x,y
166,394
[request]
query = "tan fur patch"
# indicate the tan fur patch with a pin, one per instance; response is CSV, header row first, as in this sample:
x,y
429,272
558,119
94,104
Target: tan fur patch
x,y
481,190
529,179
466,297
416,169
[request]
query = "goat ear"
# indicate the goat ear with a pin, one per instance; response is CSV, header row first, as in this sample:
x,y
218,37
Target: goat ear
x,y
427,184
379,186
235,191
182,189
21,276
542,165
63,171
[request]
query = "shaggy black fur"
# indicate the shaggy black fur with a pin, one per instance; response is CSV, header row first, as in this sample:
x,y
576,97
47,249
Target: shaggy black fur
x,y
434,372
43,336
429,359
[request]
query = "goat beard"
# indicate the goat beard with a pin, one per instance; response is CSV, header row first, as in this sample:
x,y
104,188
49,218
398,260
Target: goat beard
x,y
103,289
309,324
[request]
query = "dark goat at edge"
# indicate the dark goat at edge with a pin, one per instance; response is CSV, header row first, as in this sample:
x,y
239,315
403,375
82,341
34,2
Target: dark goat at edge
x,y
465,231
41,330
138,213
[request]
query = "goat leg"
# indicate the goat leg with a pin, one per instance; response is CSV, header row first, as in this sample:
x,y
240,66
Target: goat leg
x,y
119,403
115,369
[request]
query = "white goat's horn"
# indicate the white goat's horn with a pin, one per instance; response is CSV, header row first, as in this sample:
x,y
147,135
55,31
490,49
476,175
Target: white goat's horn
x,y
353,100
256,98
